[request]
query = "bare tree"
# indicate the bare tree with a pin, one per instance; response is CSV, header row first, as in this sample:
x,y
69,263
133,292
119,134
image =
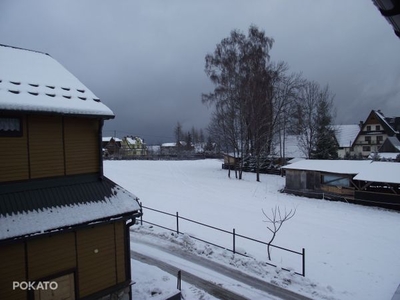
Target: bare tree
x,y
315,115
239,70
276,219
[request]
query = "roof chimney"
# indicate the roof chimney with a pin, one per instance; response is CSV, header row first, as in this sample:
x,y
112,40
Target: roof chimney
x,y
361,124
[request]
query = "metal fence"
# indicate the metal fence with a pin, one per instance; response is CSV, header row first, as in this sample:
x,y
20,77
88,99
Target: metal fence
x,y
233,233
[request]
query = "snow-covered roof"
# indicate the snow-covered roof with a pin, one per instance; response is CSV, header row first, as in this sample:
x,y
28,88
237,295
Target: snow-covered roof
x,y
394,141
108,138
34,81
168,144
53,208
384,121
292,148
366,170
379,171
330,166
134,140
346,134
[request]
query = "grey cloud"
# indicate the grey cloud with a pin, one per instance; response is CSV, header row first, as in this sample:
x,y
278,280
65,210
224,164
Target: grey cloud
x,y
145,59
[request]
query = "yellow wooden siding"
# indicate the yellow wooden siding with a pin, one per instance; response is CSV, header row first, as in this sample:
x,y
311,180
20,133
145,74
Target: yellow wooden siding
x,y
46,146
96,259
81,146
14,157
12,264
120,251
51,255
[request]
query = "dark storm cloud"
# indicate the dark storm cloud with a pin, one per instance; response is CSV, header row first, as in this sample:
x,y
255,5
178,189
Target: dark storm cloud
x,y
145,59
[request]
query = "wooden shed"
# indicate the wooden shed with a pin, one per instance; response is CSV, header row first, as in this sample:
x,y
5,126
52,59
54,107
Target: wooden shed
x,y
320,178
64,227
365,182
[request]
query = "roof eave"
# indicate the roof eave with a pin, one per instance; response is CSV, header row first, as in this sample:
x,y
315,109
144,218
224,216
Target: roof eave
x,y
39,112
120,217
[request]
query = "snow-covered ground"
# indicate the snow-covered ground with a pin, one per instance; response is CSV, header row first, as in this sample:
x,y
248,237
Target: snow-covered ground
x,y
351,250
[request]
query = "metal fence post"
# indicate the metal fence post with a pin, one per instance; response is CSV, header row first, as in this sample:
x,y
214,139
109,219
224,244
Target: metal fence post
x,y
304,262
179,280
141,215
177,223
234,241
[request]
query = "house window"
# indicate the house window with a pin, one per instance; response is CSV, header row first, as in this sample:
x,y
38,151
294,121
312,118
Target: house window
x,y
368,128
378,127
368,139
379,139
366,148
10,126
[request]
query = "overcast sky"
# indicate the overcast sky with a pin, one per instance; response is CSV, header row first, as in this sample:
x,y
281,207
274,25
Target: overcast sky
x,y
145,59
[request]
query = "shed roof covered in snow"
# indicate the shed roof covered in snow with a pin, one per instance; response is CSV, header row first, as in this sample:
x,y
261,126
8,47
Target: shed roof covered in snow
x,y
378,171
330,166
35,82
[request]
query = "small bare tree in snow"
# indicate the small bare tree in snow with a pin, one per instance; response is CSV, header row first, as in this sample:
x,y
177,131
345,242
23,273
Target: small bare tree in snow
x,y
277,219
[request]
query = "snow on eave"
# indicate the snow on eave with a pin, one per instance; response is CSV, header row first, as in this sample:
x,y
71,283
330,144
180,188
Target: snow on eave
x,y
32,81
384,172
329,166
108,139
50,219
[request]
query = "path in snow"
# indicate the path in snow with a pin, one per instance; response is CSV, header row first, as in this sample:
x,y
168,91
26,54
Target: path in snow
x,y
218,275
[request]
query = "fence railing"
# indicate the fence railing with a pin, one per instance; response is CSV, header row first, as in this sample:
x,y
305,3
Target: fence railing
x,y
177,217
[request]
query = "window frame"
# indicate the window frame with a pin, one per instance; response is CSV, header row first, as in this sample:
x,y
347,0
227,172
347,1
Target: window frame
x,y
13,133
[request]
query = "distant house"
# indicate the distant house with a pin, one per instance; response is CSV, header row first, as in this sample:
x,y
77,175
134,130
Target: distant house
x,y
61,220
345,136
288,148
374,131
177,148
111,147
133,146
356,181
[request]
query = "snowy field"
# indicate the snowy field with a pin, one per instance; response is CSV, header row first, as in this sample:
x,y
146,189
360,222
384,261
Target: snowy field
x,y
351,250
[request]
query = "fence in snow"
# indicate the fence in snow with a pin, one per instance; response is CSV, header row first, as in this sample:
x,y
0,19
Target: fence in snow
x,y
233,233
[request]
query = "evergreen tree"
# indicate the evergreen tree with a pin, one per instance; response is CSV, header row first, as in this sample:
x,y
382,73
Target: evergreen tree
x,y
326,146
178,132
188,140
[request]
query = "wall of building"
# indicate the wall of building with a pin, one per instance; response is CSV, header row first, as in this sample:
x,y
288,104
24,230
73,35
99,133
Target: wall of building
x,y
50,146
95,256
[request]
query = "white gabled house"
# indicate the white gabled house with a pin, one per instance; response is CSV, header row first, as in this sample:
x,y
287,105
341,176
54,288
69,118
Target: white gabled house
x,y
374,131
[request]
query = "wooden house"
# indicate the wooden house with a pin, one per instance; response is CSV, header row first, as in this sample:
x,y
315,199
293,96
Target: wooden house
x,y
133,146
111,147
64,227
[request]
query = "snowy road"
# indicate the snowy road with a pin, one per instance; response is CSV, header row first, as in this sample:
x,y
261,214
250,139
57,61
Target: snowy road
x,y
216,279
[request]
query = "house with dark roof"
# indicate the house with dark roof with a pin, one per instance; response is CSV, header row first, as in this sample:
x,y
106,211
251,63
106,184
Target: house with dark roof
x,y
62,222
111,147
374,131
